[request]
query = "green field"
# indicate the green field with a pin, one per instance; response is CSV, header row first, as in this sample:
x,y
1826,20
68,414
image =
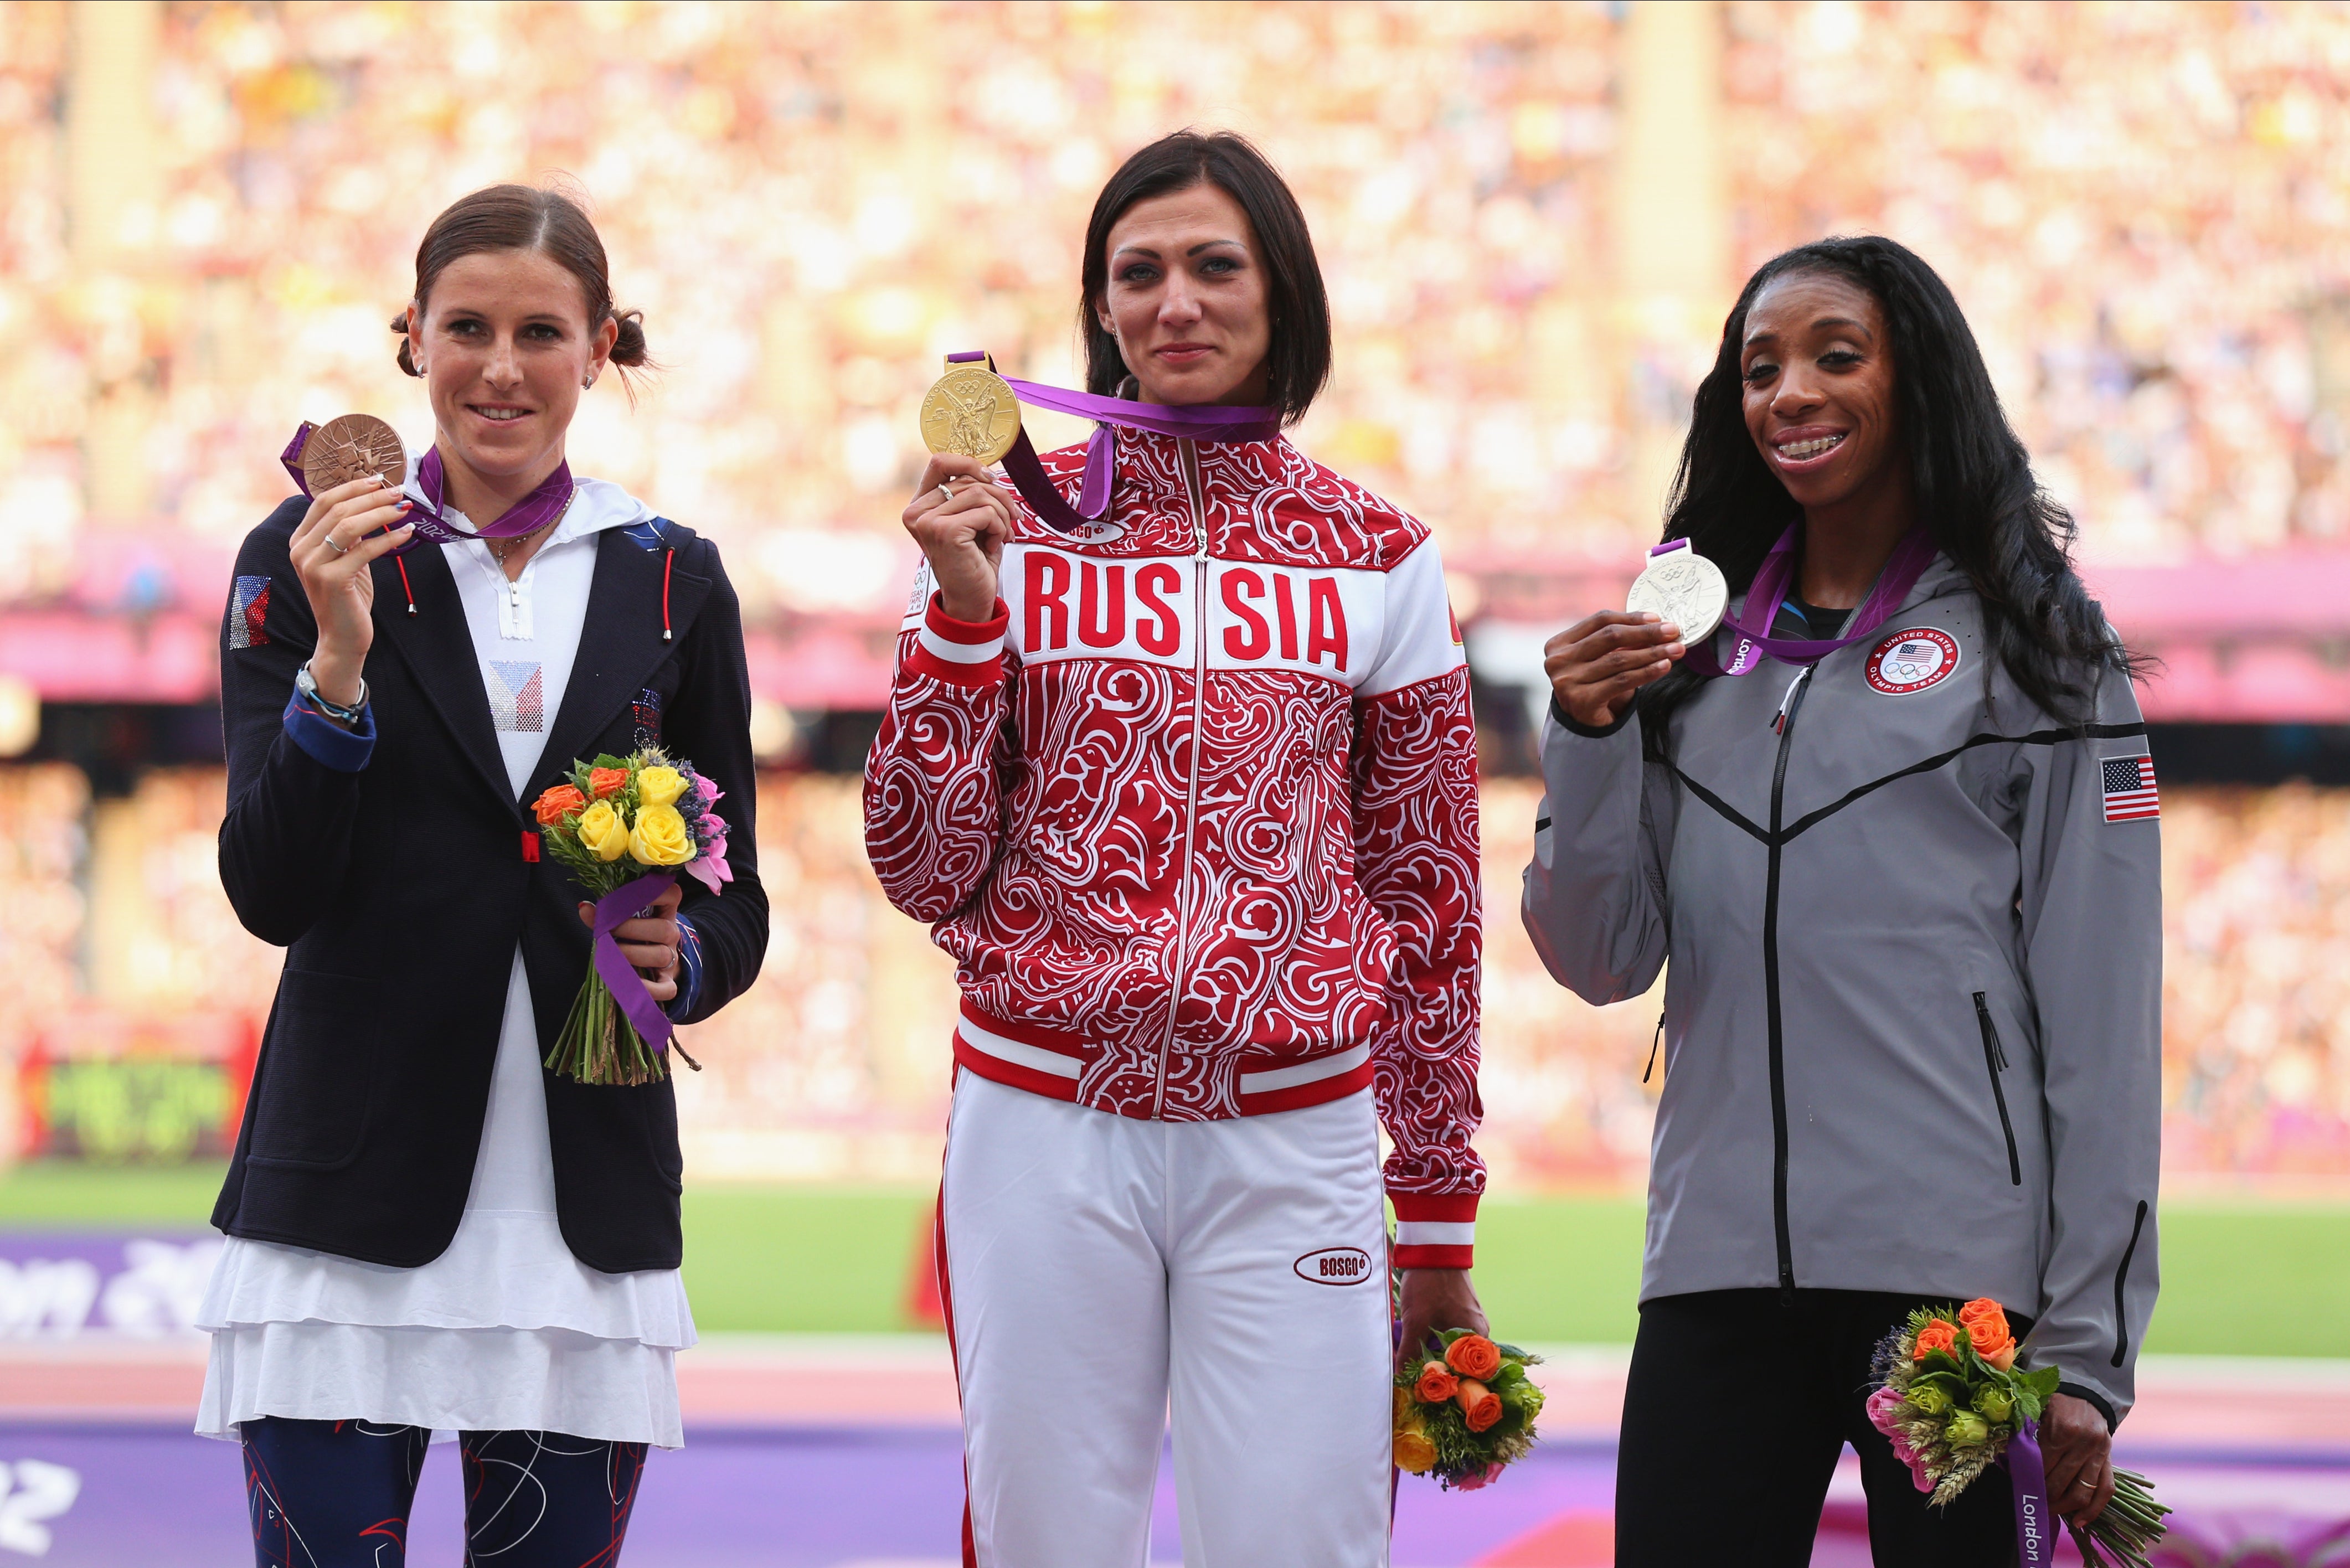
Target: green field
x,y
2238,1279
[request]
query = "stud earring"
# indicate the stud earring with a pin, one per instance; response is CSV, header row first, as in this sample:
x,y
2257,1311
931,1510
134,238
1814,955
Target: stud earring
x,y
586,381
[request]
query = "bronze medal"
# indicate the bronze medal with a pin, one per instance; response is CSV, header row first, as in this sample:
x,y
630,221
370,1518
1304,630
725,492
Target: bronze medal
x,y
973,410
352,447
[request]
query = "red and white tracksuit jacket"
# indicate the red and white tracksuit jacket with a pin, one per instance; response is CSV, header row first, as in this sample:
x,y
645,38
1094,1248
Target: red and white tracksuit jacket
x,y
1196,813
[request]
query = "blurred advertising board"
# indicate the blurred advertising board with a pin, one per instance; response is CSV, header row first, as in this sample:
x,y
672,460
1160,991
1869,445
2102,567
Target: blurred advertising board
x,y
115,1086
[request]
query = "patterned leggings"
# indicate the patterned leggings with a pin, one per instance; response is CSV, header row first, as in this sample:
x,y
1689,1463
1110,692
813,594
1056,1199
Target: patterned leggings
x,y
336,1494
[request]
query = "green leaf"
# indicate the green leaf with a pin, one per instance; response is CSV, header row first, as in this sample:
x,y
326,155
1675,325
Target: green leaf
x,y
1942,1360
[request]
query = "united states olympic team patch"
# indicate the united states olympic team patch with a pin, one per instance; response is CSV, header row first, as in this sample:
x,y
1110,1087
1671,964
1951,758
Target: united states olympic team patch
x,y
1912,659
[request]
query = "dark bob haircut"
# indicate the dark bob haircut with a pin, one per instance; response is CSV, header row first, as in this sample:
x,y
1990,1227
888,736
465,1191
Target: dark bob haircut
x,y
1298,358
1972,480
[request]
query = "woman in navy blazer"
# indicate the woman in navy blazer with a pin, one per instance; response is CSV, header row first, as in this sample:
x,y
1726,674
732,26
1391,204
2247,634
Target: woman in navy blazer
x,y
410,1234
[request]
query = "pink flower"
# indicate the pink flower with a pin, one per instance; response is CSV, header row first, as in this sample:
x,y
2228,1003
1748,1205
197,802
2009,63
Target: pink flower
x,y
712,869
1478,1479
1884,1409
707,788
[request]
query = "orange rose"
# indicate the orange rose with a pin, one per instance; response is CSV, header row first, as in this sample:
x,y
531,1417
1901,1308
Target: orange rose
x,y
1940,1334
1473,1356
606,782
1436,1384
558,803
1987,1330
1480,1405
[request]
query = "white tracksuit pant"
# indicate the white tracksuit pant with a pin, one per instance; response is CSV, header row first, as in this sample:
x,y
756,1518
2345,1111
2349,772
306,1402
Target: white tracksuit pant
x,y
1095,1263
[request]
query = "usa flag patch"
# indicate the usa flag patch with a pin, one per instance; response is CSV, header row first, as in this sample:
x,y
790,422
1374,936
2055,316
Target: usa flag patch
x,y
2129,789
248,613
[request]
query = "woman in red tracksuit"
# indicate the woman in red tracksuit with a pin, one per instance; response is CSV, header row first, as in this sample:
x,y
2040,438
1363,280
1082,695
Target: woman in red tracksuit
x,y
1190,790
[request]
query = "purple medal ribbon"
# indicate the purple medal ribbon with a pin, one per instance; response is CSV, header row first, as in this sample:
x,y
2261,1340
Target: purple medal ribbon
x,y
2035,1541
1198,421
528,516
1771,580
626,986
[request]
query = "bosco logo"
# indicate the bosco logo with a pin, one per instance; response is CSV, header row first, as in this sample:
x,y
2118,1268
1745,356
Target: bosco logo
x,y
1335,1266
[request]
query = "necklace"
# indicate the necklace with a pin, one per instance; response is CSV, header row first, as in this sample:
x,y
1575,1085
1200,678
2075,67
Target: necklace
x,y
501,548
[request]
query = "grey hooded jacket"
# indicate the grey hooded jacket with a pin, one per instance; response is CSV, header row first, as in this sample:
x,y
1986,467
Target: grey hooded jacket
x,y
1912,1022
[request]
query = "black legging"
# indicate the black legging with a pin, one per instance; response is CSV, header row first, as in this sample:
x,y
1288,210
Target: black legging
x,y
1735,1412
336,1494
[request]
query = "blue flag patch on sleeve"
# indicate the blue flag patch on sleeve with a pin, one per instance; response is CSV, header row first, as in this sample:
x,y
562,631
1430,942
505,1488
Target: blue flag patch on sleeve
x,y
248,613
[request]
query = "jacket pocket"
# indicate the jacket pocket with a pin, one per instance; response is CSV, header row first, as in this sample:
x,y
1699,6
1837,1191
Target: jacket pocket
x,y
2121,1284
317,1071
1995,1064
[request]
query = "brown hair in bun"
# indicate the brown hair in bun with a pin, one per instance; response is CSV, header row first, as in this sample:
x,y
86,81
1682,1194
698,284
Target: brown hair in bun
x,y
526,218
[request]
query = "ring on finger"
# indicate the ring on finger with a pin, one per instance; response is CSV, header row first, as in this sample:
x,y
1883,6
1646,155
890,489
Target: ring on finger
x,y
945,490
340,548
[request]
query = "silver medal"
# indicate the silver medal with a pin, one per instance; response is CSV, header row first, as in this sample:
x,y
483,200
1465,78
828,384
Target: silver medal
x,y
1683,587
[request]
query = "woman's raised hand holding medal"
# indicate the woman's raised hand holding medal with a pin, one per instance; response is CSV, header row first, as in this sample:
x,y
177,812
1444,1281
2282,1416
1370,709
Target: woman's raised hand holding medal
x,y
331,552
960,519
1595,665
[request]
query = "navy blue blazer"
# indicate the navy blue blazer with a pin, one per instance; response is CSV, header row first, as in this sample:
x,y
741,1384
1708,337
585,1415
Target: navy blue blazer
x,y
400,890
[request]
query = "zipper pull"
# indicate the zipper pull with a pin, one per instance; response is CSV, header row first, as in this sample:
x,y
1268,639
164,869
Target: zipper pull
x,y
1786,701
1195,495
1653,1044
1990,1030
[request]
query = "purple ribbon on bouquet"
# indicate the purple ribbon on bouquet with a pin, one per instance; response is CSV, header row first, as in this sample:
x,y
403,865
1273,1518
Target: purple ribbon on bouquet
x,y
1776,576
626,986
1197,421
528,516
2035,1536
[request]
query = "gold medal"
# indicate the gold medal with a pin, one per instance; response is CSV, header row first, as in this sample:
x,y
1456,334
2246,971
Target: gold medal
x,y
353,447
973,410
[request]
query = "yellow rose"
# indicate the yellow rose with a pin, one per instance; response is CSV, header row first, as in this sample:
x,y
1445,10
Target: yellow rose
x,y
660,837
1415,1453
659,786
603,832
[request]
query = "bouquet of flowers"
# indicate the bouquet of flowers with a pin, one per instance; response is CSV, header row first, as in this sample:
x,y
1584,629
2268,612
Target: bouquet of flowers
x,y
1465,1413
625,826
1949,1398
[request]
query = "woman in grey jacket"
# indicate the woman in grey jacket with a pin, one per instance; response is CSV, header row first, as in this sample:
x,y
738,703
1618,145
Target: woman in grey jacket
x,y
1894,829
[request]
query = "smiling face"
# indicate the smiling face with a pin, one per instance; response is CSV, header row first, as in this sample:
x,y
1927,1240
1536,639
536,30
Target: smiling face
x,y
1819,393
1186,299
506,344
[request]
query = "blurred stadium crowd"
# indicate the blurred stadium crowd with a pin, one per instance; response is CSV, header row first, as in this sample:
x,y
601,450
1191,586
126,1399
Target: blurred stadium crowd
x,y
835,1064
2143,208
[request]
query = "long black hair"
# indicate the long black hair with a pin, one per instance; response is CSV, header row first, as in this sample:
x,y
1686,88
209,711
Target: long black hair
x,y
1971,478
1297,361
